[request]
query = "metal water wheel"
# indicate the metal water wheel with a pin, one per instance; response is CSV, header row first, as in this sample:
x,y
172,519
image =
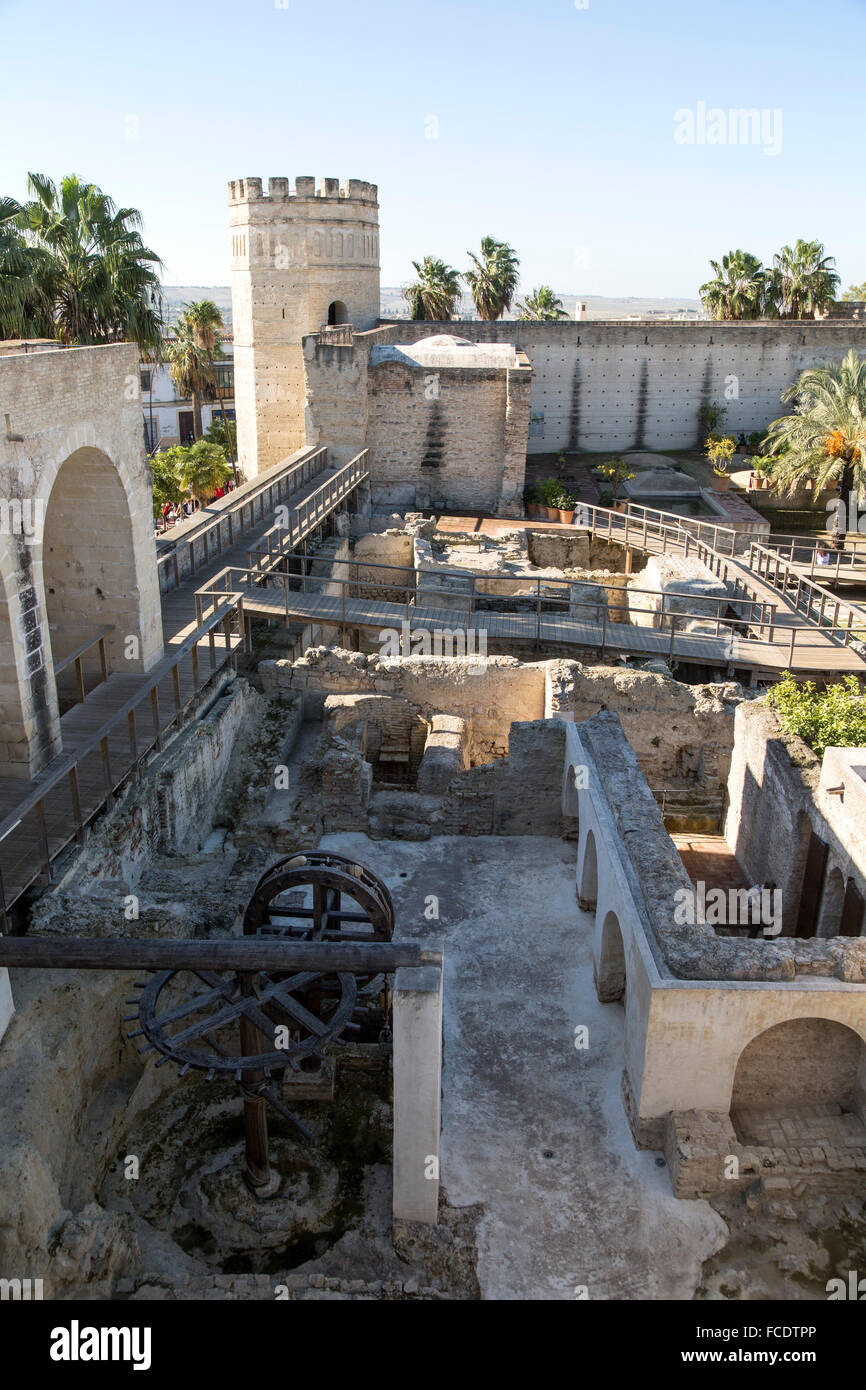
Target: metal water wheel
x,y
254,1026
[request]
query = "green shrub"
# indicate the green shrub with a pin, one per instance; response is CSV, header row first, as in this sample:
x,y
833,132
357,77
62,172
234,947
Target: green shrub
x,y
831,718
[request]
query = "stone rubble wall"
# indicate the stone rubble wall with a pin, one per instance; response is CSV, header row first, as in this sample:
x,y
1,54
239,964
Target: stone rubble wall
x,y
775,798
698,1146
174,802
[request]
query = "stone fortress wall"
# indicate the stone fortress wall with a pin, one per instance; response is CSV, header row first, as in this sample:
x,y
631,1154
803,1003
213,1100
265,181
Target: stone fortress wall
x,y
294,253
640,385
78,552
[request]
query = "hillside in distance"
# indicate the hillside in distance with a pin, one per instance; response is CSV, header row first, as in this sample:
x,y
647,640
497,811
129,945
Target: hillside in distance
x,y
393,305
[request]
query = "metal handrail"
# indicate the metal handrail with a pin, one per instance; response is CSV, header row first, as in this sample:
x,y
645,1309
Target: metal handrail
x,y
767,623
780,574
277,483
65,767
279,540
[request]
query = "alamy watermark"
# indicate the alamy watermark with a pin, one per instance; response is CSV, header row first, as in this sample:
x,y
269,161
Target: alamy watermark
x,y
442,642
22,517
758,907
735,126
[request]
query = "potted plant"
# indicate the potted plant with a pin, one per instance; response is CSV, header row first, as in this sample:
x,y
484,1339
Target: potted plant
x,y
761,472
551,490
617,472
532,500
567,504
719,453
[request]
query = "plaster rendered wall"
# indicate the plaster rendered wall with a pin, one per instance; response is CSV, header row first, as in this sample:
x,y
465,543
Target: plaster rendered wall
x,y
624,385
76,460
293,252
683,1037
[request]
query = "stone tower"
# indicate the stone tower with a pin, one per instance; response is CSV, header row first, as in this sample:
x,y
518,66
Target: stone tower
x,y
299,260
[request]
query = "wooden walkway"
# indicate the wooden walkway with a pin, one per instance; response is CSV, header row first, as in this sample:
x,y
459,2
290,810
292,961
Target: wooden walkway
x,y
109,736
813,651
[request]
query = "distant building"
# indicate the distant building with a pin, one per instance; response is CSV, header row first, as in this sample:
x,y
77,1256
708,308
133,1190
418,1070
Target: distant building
x,y
168,419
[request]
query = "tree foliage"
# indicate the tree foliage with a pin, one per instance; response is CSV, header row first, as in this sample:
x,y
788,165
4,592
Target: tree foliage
x,y
493,279
542,305
801,282
831,718
436,291
74,266
825,439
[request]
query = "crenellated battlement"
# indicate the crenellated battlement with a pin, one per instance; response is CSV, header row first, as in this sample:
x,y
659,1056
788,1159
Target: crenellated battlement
x,y
279,191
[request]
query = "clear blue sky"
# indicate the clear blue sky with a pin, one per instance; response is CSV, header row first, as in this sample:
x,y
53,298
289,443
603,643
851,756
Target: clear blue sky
x,y
555,124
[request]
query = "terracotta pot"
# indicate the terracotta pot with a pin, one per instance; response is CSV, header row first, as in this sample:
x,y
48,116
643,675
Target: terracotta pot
x,y
552,513
566,516
620,506
721,484
533,510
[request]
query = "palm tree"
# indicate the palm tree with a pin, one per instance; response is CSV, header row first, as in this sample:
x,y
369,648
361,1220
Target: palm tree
x,y
206,324
436,291
25,309
191,364
805,278
739,289
825,439
101,281
493,282
202,469
541,305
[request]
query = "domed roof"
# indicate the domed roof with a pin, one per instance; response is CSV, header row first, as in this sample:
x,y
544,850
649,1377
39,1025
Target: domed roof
x,y
444,340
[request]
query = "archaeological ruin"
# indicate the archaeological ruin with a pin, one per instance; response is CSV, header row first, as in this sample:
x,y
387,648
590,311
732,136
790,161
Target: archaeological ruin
x,y
403,898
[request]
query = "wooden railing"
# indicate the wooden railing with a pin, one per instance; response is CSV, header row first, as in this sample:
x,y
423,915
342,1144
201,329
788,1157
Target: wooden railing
x,y
636,525
756,619
61,802
201,543
302,520
76,659
819,606
848,563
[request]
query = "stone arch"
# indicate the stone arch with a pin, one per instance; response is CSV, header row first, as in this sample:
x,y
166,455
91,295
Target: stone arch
x,y
337,312
804,1061
832,899
587,895
89,557
611,972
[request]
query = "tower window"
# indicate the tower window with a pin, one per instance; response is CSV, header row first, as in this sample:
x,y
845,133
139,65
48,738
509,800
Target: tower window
x,y
337,312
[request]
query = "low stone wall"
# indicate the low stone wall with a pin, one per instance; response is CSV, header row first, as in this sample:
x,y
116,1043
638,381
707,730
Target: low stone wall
x,y
693,951
680,733
705,1157
491,698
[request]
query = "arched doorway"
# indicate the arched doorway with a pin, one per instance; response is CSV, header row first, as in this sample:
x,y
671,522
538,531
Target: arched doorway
x,y
611,975
587,895
337,313
801,1063
88,561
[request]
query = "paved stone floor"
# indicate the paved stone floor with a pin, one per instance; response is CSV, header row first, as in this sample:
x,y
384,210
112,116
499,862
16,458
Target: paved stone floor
x,y
533,1128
